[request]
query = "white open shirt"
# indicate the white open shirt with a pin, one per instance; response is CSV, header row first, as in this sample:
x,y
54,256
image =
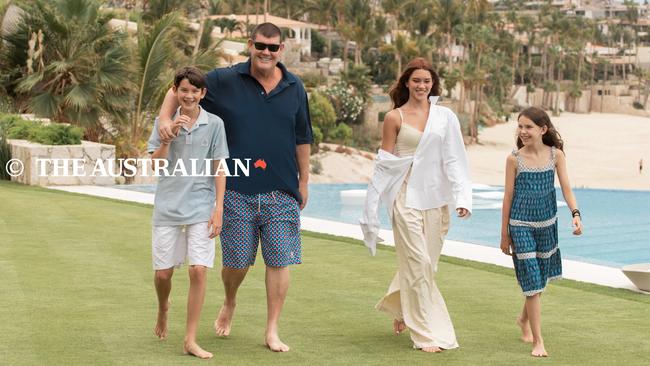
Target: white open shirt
x,y
439,175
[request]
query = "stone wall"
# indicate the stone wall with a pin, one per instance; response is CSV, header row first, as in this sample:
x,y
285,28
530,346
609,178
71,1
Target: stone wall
x,y
613,98
29,152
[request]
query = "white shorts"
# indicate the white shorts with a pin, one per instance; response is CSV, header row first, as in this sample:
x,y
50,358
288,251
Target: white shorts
x,y
171,244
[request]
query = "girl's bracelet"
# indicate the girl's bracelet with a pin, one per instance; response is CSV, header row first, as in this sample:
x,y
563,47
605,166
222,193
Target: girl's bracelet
x,y
575,213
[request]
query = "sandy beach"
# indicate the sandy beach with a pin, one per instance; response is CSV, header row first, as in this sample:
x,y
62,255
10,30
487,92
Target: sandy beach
x,y
603,151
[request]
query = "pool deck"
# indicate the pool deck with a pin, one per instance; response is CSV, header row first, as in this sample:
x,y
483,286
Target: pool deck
x,y
574,270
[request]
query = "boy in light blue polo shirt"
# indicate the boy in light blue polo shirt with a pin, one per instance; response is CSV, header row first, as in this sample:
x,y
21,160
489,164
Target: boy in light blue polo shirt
x,y
188,210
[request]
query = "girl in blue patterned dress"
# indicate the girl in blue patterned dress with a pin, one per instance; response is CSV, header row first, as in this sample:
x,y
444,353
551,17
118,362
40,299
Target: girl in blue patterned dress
x,y
529,221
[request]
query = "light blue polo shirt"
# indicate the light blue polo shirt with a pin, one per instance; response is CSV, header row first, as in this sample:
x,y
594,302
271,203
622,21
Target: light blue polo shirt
x,y
185,200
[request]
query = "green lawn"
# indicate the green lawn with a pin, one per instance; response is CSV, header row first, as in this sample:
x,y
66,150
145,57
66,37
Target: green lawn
x,y
76,288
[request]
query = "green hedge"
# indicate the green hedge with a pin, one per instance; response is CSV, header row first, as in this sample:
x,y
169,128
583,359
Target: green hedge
x,y
51,134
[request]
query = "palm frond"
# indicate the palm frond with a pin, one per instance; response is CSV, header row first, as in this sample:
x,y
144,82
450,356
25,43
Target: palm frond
x,y
154,52
44,104
113,72
80,96
59,66
30,82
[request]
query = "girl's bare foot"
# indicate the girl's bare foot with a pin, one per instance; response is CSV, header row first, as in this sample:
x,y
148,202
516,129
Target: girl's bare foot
x,y
161,323
224,320
275,344
194,349
433,349
526,332
539,350
398,326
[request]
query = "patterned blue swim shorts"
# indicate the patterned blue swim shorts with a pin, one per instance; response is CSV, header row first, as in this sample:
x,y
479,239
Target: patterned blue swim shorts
x,y
272,219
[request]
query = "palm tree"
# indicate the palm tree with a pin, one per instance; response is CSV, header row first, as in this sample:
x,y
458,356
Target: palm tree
x,y
360,26
447,15
203,23
228,24
419,15
69,63
156,9
402,48
293,9
156,58
394,8
632,18
323,12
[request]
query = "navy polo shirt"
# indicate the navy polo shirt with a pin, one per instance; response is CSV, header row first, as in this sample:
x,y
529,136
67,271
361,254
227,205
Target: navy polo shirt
x,y
260,126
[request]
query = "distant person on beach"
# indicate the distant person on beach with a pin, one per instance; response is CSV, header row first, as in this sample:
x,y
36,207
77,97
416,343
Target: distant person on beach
x,y
529,216
640,166
188,210
266,116
421,174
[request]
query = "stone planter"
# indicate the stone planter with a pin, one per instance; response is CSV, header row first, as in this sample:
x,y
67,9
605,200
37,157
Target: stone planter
x,y
86,154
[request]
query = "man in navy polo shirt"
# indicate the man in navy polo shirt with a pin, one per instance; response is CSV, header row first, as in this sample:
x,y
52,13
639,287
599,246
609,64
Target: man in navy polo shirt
x,y
266,117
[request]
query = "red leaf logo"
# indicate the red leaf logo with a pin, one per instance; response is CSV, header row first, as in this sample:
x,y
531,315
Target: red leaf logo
x,y
260,163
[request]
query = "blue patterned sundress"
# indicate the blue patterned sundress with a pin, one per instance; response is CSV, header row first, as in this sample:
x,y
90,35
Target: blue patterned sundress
x,y
533,226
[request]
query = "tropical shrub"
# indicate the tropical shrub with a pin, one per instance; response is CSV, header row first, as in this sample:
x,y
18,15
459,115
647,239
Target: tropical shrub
x,y
358,77
322,113
313,79
318,138
347,104
342,134
70,65
14,127
318,44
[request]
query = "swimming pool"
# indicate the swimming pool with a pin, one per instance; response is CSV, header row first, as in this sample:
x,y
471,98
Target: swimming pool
x,y
616,222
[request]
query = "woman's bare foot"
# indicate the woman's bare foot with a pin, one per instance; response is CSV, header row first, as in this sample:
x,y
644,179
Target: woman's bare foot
x,y
398,326
224,320
191,348
539,350
161,323
275,344
433,349
526,332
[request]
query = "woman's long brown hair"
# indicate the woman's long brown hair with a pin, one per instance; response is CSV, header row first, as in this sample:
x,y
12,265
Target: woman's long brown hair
x,y
399,93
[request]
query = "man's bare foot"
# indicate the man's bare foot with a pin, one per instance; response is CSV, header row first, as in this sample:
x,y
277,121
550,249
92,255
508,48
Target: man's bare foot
x,y
224,320
526,333
161,323
398,326
433,349
194,349
275,344
539,350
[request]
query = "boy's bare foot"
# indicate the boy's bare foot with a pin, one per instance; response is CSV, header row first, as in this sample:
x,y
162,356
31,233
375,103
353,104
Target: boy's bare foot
x,y
161,323
275,344
195,350
398,326
539,350
433,349
224,320
526,332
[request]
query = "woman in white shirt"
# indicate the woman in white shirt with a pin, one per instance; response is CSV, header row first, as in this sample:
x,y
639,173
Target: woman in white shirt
x,y
421,171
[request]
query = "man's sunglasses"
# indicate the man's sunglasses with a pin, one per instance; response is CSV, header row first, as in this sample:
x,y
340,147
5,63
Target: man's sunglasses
x,y
260,46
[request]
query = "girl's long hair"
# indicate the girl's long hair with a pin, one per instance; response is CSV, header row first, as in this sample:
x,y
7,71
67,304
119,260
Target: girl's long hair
x,y
399,94
541,119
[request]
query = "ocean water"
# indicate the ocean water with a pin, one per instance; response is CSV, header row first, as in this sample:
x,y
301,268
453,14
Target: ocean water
x,y
616,222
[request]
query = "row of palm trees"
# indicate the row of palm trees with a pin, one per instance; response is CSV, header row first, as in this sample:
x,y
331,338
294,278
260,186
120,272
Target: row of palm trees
x,y
61,59
482,51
